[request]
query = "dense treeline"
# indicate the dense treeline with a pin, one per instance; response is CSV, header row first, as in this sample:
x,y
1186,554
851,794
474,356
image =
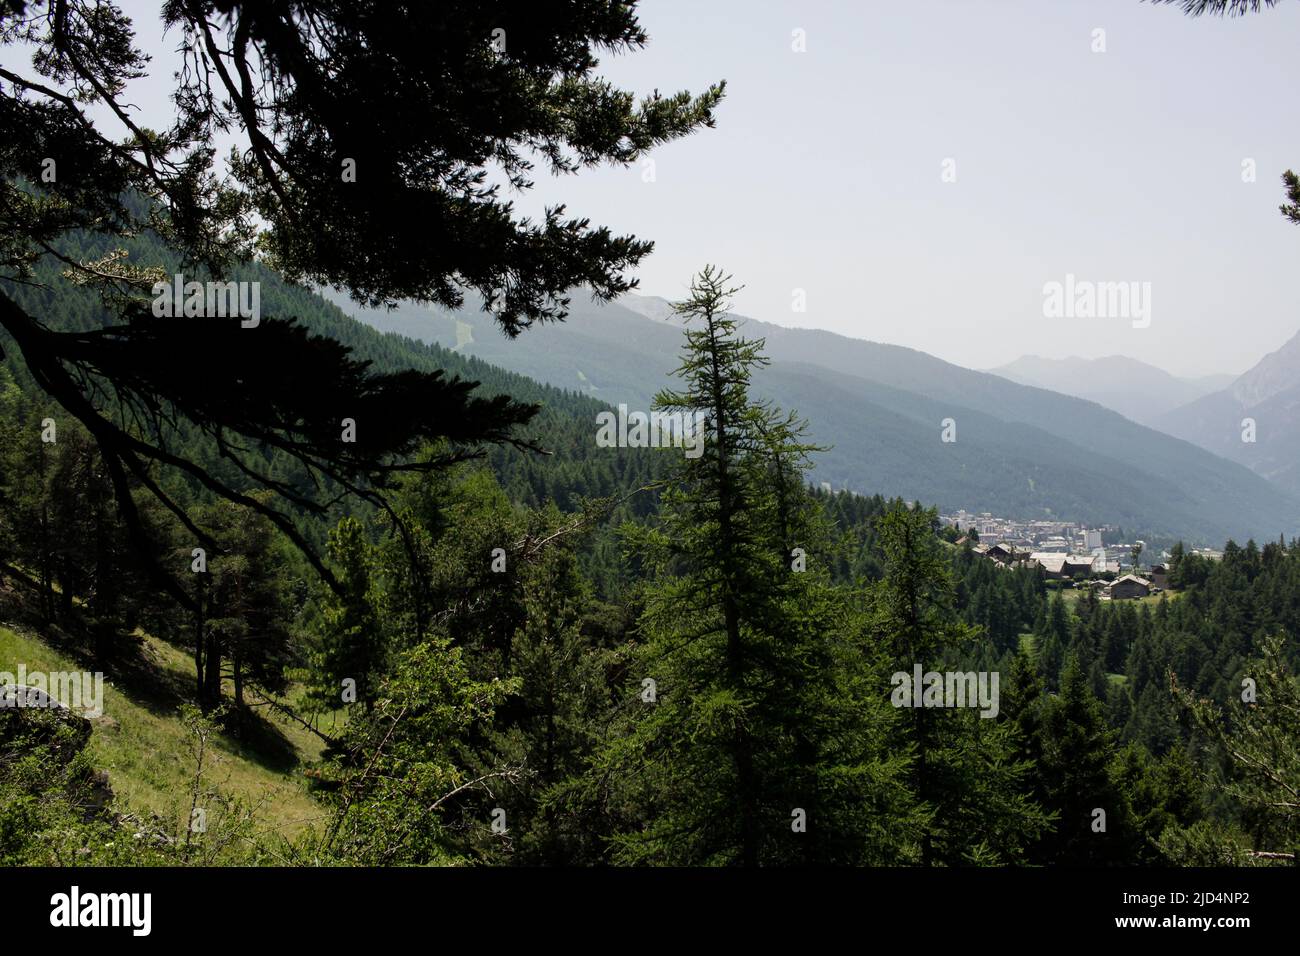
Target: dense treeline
x,y
535,663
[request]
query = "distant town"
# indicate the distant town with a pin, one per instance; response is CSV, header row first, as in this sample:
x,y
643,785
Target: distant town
x,y
1068,552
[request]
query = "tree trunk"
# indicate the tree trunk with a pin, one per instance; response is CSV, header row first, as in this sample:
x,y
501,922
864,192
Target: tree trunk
x,y
46,558
237,671
66,587
212,672
104,609
731,617
198,645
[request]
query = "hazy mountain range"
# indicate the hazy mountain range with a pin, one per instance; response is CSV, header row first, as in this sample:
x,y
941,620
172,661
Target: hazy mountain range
x,y
1020,450
1135,389
1255,420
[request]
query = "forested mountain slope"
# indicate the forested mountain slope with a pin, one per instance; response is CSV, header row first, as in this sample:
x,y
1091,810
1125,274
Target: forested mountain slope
x,y
880,409
570,467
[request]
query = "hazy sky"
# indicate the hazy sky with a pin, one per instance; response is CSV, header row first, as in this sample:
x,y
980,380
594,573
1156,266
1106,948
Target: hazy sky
x,y
824,171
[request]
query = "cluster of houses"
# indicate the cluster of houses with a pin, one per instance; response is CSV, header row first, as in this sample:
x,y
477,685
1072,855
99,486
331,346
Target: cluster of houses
x,y
1031,535
1088,569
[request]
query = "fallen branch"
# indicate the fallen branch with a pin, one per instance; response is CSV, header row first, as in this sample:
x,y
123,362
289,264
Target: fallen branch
x,y
280,708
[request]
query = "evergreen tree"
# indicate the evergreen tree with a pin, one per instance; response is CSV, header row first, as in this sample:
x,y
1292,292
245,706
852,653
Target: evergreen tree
x,y
350,649
308,94
1256,737
753,733
1075,751
1052,638
555,721
964,776
247,612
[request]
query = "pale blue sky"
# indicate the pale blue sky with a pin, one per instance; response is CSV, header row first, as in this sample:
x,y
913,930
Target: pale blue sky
x,y
823,173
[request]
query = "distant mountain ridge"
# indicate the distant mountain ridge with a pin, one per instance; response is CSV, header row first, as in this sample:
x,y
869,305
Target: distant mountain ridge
x,y
1019,450
1274,374
1135,389
1254,421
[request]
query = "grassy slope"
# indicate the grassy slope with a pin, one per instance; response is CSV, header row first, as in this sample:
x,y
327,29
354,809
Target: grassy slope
x,y
146,748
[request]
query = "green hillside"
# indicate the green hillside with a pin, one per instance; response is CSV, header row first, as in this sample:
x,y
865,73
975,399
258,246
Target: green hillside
x,y
147,750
